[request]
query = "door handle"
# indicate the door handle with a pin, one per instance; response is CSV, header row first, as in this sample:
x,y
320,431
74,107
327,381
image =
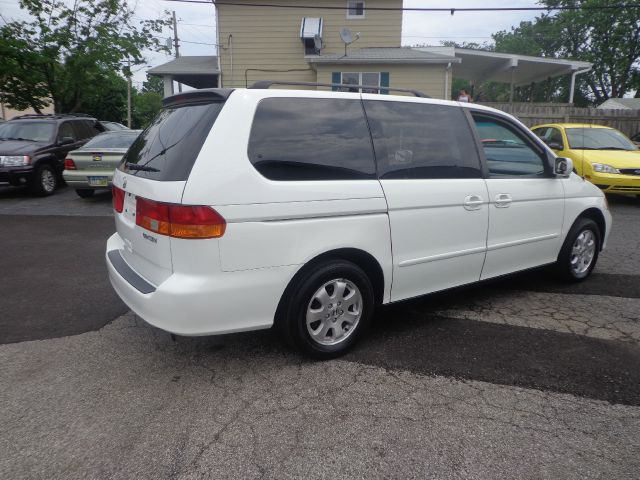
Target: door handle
x,y
503,200
473,202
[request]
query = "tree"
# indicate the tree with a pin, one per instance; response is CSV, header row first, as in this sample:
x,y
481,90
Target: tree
x,y
609,38
153,84
146,106
109,102
63,54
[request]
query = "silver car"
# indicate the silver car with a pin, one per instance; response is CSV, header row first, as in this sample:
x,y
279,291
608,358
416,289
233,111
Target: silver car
x,y
91,167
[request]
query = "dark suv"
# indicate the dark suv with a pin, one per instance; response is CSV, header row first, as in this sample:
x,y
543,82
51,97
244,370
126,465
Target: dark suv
x,y
33,148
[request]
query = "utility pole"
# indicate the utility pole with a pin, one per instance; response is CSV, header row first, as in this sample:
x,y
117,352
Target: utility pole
x,y
175,43
128,92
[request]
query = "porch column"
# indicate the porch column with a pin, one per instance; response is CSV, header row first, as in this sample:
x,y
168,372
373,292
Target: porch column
x,y
168,85
513,71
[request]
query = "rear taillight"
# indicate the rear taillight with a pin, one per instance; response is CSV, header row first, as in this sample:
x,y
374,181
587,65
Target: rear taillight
x,y
179,221
69,164
118,199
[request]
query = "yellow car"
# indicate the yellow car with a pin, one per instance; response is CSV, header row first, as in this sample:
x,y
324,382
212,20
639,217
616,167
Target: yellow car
x,y
602,155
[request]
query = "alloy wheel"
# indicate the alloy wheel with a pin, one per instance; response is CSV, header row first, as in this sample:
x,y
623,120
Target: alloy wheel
x,y
334,312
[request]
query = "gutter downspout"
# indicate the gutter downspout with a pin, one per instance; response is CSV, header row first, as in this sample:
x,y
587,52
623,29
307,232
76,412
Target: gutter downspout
x,y
219,48
230,47
572,89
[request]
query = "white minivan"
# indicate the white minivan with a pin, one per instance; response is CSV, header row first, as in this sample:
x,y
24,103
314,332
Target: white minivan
x,y
301,209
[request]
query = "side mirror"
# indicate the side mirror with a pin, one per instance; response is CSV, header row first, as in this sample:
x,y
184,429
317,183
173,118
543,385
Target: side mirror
x,y
563,167
554,146
66,141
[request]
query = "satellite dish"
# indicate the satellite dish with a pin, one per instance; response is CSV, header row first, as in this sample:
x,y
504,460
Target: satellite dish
x,y
346,35
317,42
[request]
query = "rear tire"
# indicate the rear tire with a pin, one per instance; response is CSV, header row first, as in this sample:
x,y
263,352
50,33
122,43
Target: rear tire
x,y
579,252
85,192
44,181
326,309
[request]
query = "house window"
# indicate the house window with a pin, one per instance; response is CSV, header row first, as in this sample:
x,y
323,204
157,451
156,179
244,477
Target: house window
x,y
370,79
355,9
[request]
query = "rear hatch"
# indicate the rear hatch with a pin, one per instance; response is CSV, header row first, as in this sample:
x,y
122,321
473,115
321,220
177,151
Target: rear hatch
x,y
153,174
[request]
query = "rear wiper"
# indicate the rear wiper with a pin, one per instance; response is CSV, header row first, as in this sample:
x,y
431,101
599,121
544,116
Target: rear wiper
x,y
141,168
18,138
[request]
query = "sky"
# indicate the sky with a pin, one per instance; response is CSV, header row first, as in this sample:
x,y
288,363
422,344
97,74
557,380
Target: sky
x,y
197,27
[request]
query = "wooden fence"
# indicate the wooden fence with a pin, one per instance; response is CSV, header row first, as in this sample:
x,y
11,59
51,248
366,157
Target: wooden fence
x,y
627,121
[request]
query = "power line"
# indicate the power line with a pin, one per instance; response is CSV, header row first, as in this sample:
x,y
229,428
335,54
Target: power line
x,y
196,24
199,43
452,10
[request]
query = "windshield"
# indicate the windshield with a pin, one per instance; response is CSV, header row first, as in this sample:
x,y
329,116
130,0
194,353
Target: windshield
x,y
112,140
32,131
168,148
598,139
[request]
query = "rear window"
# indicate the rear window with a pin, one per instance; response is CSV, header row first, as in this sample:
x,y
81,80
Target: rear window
x,y
171,144
311,139
112,140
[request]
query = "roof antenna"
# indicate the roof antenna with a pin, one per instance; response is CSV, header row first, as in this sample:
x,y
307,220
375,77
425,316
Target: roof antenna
x,y
348,38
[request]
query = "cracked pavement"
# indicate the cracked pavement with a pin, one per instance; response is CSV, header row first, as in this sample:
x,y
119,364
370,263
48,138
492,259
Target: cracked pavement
x,y
521,378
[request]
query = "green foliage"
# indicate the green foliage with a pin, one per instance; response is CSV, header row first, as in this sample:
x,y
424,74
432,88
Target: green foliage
x,y
153,84
610,39
62,53
108,101
146,106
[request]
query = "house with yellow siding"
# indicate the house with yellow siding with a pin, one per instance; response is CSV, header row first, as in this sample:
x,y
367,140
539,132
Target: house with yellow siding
x,y
352,42
304,41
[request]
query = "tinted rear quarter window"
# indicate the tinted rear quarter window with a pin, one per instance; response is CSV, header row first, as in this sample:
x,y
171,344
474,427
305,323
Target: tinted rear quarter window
x,y
311,139
419,140
172,142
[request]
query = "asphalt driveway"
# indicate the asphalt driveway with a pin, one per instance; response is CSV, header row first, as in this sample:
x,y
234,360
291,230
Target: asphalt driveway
x,y
520,378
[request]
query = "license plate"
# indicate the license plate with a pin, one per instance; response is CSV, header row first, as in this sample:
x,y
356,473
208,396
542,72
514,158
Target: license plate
x,y
98,181
130,206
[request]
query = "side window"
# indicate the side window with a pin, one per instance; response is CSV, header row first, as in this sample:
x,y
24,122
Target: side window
x,y
81,129
551,136
508,152
91,127
66,130
555,139
418,140
311,139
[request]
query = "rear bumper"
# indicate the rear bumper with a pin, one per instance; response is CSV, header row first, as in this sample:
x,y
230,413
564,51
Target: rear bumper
x,y
193,305
80,179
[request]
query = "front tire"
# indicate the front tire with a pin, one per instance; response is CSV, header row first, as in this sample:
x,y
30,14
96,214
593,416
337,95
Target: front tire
x,y
327,309
579,252
85,192
44,181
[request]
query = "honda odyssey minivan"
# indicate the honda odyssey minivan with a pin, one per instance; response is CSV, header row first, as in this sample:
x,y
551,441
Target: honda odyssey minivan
x,y
250,208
